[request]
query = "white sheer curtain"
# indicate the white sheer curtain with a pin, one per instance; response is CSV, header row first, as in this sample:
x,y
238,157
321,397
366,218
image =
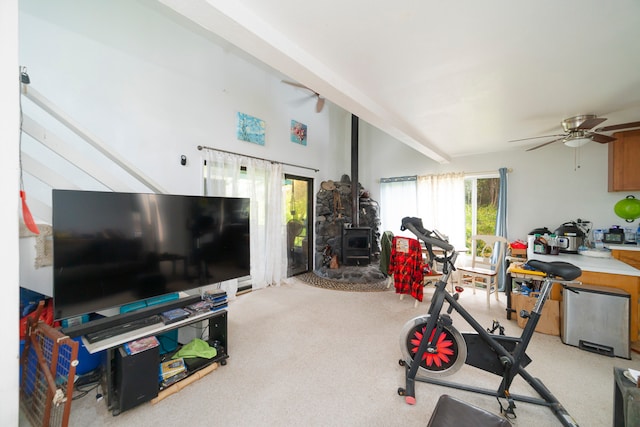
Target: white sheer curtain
x,y
398,197
441,205
237,176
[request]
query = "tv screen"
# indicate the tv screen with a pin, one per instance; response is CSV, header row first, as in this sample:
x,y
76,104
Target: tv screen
x,y
111,249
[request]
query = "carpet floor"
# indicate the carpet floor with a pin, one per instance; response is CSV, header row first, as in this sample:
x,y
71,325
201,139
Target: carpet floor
x,y
300,355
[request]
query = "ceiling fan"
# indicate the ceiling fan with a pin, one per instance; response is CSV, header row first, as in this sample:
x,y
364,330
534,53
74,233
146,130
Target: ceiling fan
x,y
319,99
577,131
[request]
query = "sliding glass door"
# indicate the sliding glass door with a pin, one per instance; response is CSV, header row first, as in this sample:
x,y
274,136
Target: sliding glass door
x,y
298,197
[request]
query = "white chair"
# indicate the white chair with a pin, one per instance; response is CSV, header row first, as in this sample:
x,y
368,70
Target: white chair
x,y
487,255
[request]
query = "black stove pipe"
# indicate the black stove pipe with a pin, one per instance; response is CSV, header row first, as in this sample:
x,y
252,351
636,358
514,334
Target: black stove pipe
x,y
355,199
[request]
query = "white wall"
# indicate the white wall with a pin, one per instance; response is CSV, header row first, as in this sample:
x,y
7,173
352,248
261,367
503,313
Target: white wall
x,y
9,133
154,87
546,188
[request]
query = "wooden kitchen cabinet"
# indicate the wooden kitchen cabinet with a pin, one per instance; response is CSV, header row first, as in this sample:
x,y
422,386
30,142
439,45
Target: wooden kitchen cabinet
x,y
624,158
629,257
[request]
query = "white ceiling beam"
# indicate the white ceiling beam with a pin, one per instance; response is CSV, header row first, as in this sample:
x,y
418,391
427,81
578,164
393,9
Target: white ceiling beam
x,y
241,27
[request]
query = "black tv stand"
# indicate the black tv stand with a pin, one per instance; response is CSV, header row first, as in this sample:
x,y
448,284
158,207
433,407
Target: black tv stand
x,y
123,318
217,338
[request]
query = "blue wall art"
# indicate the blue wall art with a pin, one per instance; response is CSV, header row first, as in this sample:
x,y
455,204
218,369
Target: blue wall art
x,y
250,129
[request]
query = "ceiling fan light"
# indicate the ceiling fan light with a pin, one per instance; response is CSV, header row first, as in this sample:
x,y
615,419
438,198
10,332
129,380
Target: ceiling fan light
x,y
577,142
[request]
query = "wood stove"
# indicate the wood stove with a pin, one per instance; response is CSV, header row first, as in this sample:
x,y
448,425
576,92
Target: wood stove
x,y
356,246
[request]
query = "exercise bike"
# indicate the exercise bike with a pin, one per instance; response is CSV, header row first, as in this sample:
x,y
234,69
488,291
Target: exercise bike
x,y
433,348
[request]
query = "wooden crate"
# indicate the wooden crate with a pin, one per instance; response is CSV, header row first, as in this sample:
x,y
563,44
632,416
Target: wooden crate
x,y
549,322
520,253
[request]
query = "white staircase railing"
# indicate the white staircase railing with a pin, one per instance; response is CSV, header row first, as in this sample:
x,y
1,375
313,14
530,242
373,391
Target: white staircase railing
x,y
55,144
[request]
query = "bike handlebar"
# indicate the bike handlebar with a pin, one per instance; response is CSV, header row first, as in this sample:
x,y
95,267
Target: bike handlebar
x,y
415,226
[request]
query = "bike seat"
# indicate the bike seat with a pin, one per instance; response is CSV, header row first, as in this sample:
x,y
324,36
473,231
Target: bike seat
x,y
560,269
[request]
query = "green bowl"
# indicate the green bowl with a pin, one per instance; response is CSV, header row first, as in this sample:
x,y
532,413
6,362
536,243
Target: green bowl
x,y
628,208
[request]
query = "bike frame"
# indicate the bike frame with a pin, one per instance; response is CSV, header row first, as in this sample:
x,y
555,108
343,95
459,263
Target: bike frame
x,y
512,361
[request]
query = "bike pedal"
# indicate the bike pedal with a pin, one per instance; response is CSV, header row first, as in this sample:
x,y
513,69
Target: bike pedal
x,y
508,409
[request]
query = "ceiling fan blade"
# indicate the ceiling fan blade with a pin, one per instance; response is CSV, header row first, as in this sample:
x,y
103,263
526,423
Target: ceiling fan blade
x,y
546,143
591,123
602,139
296,84
319,102
619,127
536,137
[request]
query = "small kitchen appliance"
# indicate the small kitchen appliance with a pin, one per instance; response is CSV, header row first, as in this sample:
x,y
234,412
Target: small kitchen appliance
x,y
615,235
570,237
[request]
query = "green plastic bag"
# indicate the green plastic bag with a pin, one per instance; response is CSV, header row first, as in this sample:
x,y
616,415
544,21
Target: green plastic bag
x,y
196,348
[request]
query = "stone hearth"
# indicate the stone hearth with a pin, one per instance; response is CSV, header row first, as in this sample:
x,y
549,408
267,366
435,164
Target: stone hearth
x,y
334,213
356,274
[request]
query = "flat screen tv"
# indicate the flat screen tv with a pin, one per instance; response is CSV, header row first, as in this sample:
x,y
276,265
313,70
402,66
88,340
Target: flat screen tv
x,y
112,249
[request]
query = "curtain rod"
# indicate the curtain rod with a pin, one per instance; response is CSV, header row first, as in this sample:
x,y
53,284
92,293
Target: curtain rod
x,y
509,170
204,147
399,179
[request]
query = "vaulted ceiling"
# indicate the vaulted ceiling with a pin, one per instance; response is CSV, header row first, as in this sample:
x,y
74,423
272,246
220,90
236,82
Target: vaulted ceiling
x,y
448,79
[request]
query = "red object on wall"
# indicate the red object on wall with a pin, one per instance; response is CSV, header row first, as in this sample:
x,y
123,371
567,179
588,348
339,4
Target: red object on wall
x,y
406,266
26,214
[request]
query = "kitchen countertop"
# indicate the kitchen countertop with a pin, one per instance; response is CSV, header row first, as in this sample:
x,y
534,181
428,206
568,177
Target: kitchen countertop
x,y
597,265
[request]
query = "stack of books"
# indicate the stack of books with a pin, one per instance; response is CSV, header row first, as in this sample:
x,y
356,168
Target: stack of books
x,y
172,371
174,315
217,298
199,307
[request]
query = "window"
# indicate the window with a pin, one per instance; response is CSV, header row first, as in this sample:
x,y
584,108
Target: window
x,y
237,183
437,199
481,205
259,180
297,194
398,197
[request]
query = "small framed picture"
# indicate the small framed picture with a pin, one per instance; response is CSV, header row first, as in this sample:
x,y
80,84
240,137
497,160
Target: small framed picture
x,y
298,132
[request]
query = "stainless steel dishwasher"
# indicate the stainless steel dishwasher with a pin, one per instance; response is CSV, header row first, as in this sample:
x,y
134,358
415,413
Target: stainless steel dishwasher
x,y
596,319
